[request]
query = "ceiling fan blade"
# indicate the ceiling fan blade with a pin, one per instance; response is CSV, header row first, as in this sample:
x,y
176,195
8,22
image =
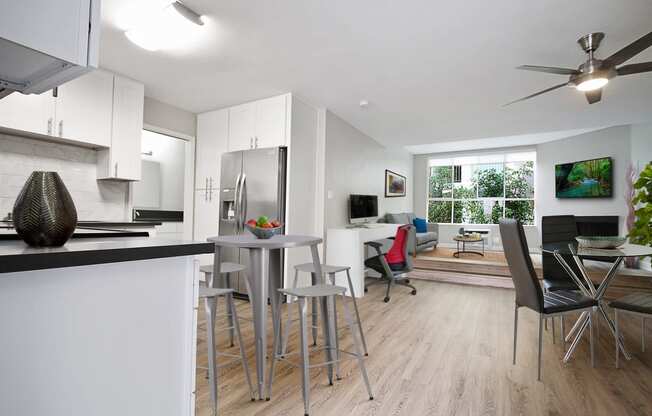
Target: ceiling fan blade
x,y
549,69
594,96
536,93
629,51
634,68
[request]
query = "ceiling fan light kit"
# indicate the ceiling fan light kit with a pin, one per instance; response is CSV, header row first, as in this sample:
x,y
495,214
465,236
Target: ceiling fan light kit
x,y
591,76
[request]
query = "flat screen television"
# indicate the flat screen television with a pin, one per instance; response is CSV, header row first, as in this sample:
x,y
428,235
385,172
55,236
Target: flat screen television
x,y
584,179
362,208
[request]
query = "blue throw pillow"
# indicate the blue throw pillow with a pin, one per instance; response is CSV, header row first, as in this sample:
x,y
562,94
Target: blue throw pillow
x,y
420,224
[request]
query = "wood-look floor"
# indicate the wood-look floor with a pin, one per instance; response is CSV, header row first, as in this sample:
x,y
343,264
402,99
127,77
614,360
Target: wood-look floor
x,y
447,351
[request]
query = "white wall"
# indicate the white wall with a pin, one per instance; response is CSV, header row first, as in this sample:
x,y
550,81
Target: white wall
x,y
166,116
613,142
641,135
355,164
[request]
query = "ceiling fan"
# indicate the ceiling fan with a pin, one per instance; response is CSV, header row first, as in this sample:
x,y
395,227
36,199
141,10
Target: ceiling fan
x,y
595,73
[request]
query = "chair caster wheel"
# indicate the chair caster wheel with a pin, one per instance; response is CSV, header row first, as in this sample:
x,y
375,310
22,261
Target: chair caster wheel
x,y
366,290
407,280
371,397
386,299
414,292
267,399
253,400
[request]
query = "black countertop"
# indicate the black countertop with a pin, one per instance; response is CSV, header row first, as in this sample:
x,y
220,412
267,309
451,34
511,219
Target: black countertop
x,y
106,224
16,256
8,233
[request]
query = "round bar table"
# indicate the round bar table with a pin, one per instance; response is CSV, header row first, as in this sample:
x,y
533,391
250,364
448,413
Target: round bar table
x,y
263,281
584,283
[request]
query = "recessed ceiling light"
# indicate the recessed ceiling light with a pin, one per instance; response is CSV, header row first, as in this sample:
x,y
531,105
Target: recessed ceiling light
x,y
170,27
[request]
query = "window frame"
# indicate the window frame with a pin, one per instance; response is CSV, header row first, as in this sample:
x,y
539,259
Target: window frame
x,y
503,200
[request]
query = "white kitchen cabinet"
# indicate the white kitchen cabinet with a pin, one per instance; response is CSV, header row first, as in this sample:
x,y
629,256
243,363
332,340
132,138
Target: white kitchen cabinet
x,y
84,109
242,127
122,160
81,112
57,28
206,221
259,124
271,122
29,113
44,43
211,142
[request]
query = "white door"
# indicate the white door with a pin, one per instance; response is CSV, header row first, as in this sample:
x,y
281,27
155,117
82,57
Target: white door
x,y
271,122
29,113
206,221
212,135
84,107
242,119
128,104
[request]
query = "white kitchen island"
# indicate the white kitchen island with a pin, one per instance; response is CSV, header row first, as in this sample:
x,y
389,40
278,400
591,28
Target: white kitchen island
x,y
99,327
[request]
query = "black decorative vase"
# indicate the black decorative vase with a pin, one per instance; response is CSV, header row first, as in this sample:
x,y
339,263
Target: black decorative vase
x,y
44,214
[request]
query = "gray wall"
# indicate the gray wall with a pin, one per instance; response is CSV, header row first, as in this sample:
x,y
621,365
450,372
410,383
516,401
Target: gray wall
x,y
168,117
613,142
641,135
356,163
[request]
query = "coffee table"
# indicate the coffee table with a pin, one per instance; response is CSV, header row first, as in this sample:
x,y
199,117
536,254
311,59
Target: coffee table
x,y
467,239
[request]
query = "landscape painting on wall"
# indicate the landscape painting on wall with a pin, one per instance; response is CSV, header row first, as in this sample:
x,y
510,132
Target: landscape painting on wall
x,y
394,184
585,179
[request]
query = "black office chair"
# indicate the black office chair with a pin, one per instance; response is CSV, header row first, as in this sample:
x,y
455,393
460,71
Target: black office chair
x,y
528,291
395,273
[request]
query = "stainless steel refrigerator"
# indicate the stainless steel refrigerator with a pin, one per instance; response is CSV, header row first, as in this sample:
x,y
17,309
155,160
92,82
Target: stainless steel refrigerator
x,y
252,184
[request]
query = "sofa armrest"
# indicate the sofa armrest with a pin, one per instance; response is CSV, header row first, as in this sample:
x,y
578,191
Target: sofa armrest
x,y
433,227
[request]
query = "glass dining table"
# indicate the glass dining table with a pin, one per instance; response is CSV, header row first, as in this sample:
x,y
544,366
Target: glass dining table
x,y
562,251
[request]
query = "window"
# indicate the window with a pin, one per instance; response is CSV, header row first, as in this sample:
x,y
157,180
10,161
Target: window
x,y
482,189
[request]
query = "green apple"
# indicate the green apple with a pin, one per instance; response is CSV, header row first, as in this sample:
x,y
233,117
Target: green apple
x,y
262,220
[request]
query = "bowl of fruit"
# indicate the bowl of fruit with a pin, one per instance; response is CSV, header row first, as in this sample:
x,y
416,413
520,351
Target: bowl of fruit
x,y
263,227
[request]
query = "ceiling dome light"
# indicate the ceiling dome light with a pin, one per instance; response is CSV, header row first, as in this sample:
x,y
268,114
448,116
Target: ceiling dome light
x,y
592,84
169,28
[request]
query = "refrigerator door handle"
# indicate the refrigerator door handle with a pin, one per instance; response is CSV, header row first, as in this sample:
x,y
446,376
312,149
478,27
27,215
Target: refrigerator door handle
x,y
243,200
237,204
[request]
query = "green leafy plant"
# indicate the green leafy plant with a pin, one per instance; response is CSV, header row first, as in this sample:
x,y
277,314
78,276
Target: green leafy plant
x,y
641,232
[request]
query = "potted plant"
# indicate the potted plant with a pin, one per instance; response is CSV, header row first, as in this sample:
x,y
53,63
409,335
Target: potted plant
x,y
641,231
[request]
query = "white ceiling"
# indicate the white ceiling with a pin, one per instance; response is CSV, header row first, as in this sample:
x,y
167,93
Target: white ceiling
x,y
432,71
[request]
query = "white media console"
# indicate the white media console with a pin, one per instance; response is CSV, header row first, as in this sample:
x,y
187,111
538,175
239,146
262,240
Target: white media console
x,y
345,247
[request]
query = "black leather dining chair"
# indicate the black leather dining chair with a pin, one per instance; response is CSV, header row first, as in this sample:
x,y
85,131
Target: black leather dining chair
x,y
528,290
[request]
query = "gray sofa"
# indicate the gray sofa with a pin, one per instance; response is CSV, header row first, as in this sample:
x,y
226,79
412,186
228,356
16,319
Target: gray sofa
x,y
420,241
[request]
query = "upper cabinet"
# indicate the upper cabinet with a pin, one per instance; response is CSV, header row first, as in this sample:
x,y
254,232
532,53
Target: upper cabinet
x,y
122,161
259,124
84,109
242,127
80,112
271,122
28,113
44,43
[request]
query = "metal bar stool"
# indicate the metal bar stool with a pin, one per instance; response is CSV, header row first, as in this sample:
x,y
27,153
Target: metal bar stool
x,y
327,295
225,271
330,271
637,304
210,296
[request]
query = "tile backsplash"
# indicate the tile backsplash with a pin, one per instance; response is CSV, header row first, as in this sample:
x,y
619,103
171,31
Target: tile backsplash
x,y
77,166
